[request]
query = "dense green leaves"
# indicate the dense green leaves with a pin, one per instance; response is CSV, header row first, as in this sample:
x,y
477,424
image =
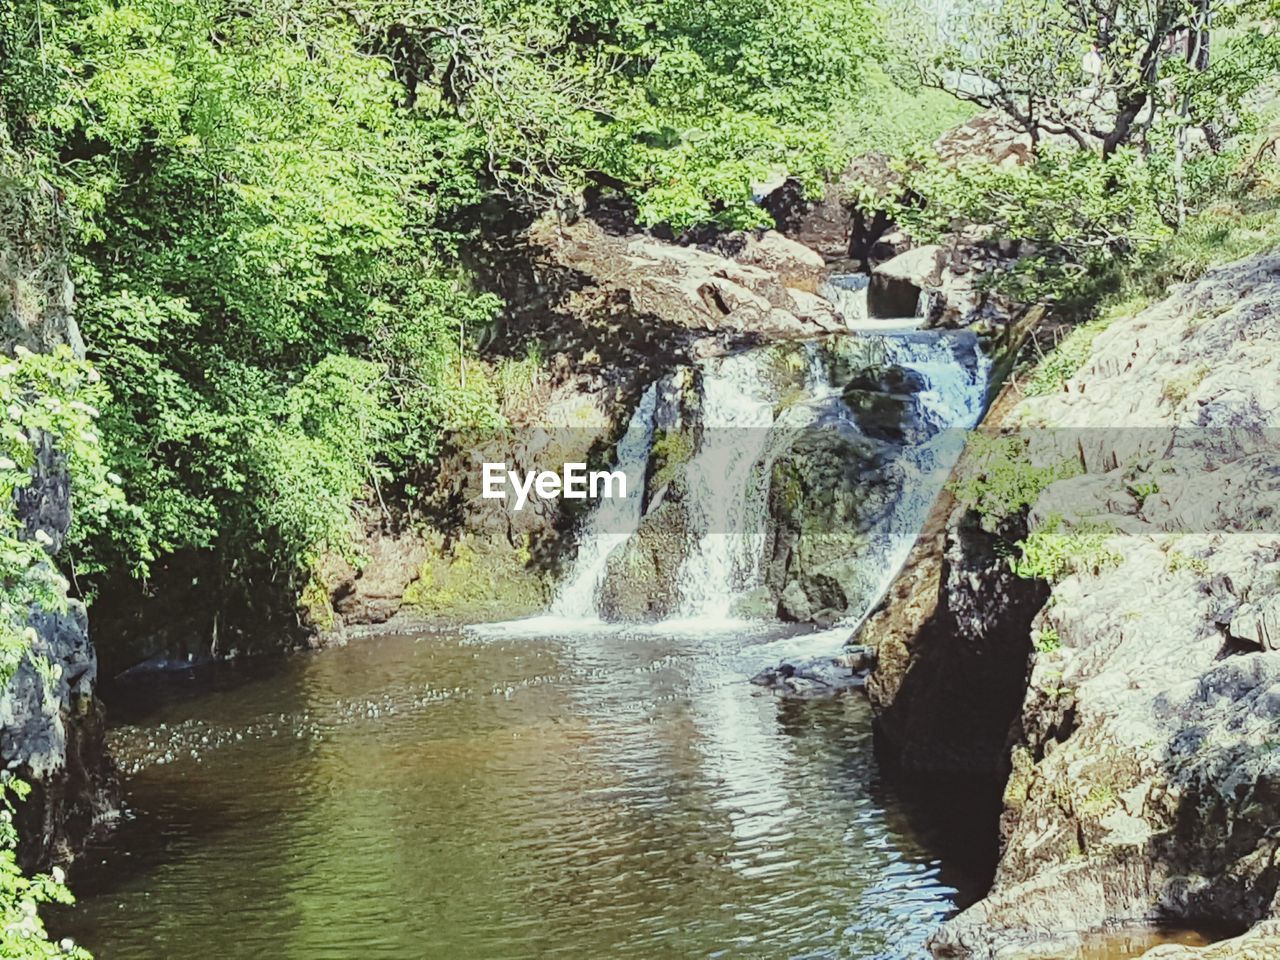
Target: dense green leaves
x,y
271,198
684,103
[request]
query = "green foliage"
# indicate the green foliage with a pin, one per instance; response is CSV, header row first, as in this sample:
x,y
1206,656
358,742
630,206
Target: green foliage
x,y
22,932
1052,553
997,479
1062,363
671,451
1031,60
50,404
1046,640
261,261
272,198
1071,213
684,103
1121,155
50,401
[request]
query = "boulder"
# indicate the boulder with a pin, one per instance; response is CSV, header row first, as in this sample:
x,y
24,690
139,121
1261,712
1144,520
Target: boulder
x,y
642,582
793,263
896,285
817,677
375,592
1143,785
765,295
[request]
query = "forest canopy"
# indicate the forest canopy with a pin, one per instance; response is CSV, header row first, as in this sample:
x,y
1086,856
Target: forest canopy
x,y
265,203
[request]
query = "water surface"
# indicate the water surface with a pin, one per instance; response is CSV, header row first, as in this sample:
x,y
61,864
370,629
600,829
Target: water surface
x,y
598,794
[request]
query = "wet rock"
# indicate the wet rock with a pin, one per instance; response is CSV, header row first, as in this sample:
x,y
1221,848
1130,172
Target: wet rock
x,y
896,285
817,677
827,490
952,638
1260,943
51,731
642,582
375,592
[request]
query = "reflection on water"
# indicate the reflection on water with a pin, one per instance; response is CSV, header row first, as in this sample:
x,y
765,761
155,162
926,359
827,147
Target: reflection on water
x,y
603,795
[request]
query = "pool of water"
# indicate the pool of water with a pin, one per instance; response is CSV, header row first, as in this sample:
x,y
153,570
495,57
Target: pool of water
x,y
602,793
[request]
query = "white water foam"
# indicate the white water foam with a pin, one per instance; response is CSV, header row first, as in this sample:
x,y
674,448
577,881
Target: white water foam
x,y
727,486
612,521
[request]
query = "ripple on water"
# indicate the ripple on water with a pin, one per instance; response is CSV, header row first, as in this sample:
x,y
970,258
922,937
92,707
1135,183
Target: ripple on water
x,y
614,794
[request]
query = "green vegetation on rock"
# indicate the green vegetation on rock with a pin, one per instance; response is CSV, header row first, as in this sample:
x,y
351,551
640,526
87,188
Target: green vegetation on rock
x,y
1053,551
997,478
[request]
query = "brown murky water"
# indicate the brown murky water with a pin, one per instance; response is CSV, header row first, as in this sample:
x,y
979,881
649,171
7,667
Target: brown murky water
x,y
594,795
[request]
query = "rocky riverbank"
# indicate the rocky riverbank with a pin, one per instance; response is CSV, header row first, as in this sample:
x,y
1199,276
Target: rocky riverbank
x,y
1126,682
51,722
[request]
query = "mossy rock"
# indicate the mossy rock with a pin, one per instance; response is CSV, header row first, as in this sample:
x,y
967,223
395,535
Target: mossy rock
x,y
476,580
642,582
883,416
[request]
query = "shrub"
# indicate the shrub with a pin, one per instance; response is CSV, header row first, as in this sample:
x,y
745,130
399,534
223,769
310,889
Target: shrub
x,y
1051,553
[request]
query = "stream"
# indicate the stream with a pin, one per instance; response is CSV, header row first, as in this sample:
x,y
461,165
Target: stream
x,y
605,794
560,786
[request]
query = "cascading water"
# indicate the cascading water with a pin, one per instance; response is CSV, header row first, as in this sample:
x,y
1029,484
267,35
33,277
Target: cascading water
x,y
744,423
955,372
726,493
613,520
847,292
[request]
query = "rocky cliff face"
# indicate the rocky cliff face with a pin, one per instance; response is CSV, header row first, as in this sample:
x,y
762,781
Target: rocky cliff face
x,y
1145,783
952,642
51,732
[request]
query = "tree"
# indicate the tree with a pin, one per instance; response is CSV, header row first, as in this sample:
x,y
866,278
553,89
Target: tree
x,y
1106,73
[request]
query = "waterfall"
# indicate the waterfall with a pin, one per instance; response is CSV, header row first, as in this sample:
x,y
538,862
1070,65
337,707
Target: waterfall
x,y
613,520
726,492
747,413
847,292
956,373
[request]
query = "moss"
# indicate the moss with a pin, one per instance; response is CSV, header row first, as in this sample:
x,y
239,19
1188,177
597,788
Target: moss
x,y
476,580
313,603
1018,786
1046,641
1101,798
1176,390
671,451
997,479
1177,560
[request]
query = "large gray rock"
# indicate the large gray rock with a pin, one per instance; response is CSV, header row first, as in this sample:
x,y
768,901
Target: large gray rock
x,y
897,284
1145,785
764,293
